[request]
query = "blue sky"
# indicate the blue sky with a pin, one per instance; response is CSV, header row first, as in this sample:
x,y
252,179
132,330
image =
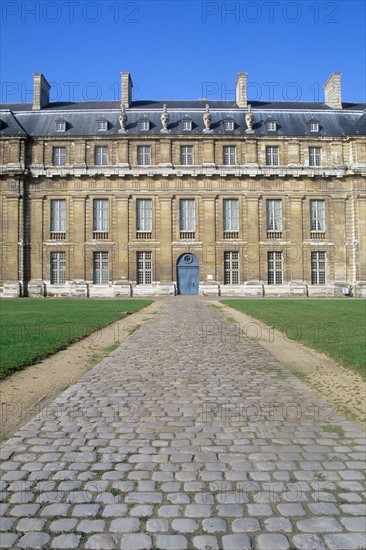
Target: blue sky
x,y
182,50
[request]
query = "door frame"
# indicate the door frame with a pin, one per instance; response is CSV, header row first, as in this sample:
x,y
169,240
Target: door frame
x,y
188,260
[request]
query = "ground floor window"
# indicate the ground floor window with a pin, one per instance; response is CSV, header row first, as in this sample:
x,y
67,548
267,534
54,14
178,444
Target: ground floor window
x,y
144,268
318,268
58,268
231,268
275,268
100,268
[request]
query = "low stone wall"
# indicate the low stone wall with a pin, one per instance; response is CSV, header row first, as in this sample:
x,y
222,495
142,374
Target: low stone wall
x,y
252,289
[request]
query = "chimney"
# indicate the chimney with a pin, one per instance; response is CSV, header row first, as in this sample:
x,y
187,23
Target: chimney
x,y
241,90
41,91
126,89
332,91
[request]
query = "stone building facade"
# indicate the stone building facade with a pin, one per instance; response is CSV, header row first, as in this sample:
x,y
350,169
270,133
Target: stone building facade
x,y
127,198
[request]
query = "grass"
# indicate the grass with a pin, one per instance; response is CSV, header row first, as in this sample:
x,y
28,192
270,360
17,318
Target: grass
x,y
33,329
334,327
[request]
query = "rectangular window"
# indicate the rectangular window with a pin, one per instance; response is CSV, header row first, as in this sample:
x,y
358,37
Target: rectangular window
x,y
275,268
102,125
231,268
229,125
144,125
315,156
186,155
144,268
317,215
101,155
58,217
58,268
229,155
318,268
271,126
100,268
144,215
274,218
187,216
59,156
272,158
187,125
314,126
60,126
100,218
143,155
231,215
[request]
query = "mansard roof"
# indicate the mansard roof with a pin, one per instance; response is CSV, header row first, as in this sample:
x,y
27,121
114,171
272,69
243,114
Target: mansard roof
x,y
9,125
292,118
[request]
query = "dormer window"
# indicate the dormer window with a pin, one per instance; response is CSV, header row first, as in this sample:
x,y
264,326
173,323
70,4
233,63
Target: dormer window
x,y
314,126
144,124
60,125
102,125
271,125
229,124
187,124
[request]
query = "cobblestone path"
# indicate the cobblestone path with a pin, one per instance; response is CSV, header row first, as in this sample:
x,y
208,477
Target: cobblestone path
x,y
188,436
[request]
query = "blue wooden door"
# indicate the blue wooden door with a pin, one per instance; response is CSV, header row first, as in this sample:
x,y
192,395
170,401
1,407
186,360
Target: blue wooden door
x,y
188,274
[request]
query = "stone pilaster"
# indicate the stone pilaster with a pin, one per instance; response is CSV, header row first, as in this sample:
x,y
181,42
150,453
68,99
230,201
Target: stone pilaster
x,y
208,236
121,265
293,257
37,239
10,213
208,153
166,260
252,252
339,237
77,237
165,152
361,237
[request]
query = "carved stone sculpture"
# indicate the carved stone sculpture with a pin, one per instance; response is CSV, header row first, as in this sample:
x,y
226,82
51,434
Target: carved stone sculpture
x,y
123,120
207,119
164,119
249,119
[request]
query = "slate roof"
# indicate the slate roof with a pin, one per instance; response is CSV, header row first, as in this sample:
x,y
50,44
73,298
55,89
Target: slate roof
x,y
81,118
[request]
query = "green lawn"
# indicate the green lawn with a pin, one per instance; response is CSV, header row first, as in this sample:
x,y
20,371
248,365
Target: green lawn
x,y
334,327
32,329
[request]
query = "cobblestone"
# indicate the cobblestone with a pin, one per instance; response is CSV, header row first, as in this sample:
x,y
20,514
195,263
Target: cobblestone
x,y
30,524
271,541
171,542
183,453
347,541
33,540
214,525
205,542
66,541
101,542
185,525
8,540
125,525
236,542
157,525
308,542
136,542
91,526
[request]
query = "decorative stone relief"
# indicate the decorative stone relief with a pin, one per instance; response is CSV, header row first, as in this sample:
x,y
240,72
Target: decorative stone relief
x,y
122,119
207,120
249,119
164,120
